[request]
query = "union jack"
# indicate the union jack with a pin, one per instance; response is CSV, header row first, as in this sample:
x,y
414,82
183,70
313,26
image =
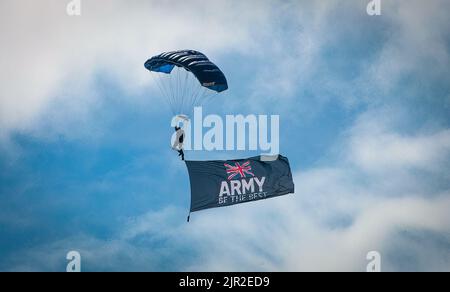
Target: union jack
x,y
242,170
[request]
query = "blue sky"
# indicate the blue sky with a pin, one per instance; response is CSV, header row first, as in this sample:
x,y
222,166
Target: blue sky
x,y
85,162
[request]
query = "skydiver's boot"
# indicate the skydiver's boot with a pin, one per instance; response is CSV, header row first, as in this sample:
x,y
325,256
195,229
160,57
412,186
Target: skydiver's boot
x,y
181,154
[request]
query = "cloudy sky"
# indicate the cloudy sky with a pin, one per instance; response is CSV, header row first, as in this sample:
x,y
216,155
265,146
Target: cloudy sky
x,y
364,103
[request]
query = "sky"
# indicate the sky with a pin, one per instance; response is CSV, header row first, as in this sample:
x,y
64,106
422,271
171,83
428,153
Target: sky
x,y
85,158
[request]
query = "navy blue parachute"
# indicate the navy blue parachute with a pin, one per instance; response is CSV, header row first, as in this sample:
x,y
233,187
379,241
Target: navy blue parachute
x,y
207,73
189,79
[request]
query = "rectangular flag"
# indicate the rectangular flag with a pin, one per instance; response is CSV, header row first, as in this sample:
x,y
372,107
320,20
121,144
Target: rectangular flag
x,y
220,183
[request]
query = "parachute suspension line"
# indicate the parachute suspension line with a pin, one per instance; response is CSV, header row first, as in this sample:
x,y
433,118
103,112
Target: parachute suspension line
x,y
189,90
196,96
200,98
169,96
178,95
172,96
183,92
193,96
167,93
209,97
182,89
175,91
173,83
206,98
171,89
185,87
194,88
179,90
163,91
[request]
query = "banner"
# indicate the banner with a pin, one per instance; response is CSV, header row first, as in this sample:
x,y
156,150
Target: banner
x,y
220,183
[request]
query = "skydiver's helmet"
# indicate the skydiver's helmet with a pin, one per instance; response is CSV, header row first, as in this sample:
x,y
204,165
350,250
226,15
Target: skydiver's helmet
x,y
181,119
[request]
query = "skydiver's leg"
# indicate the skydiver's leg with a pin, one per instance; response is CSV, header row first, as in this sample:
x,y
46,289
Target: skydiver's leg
x,y
179,148
182,154
175,146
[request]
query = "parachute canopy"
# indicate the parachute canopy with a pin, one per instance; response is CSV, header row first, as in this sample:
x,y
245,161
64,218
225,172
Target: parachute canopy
x,y
207,73
186,78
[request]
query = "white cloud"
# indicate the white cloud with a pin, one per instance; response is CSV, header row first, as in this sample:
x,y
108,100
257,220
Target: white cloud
x,y
417,43
53,56
339,213
375,147
48,54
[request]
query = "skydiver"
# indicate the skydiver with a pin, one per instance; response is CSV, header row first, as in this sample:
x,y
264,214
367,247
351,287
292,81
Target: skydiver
x,y
178,144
